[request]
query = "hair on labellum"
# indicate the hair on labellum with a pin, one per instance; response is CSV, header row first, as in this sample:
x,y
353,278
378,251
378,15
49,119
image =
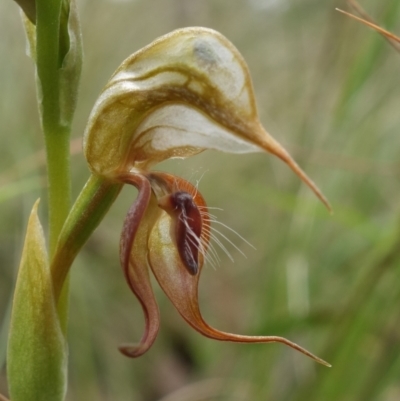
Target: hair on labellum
x,y
193,232
187,227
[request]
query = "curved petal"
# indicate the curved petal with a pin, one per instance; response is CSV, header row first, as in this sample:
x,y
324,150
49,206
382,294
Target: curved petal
x,y
181,287
133,257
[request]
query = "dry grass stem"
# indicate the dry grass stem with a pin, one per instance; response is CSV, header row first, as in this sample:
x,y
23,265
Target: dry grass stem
x,y
390,37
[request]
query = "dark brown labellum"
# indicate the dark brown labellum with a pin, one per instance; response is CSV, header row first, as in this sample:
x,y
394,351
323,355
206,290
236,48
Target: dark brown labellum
x,y
187,229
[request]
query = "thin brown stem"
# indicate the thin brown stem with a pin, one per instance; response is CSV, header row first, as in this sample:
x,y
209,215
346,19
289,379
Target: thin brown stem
x,y
393,39
362,13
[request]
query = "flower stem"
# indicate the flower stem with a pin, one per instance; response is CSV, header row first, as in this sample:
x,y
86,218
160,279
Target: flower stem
x,y
56,135
58,166
87,212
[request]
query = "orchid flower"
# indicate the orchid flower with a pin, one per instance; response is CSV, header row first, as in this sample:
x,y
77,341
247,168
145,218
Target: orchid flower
x,y
186,92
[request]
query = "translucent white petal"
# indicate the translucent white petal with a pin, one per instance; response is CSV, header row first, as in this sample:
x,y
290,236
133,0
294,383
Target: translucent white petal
x,y
175,126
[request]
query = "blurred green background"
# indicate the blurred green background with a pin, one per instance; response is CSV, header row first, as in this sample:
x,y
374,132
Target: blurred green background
x,y
328,89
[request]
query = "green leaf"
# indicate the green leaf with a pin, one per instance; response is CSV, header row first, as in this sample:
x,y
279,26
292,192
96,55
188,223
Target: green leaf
x,y
37,351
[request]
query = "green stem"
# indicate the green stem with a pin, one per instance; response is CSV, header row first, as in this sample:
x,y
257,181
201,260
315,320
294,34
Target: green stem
x,y
89,209
58,166
56,135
